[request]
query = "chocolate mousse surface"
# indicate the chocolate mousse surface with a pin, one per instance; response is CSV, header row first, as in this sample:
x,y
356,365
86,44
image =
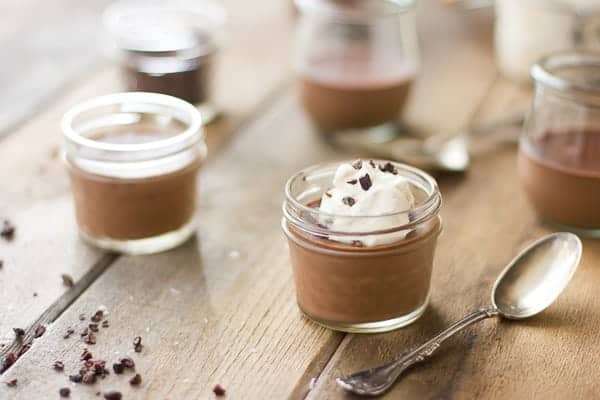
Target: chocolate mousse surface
x,y
560,172
354,93
134,208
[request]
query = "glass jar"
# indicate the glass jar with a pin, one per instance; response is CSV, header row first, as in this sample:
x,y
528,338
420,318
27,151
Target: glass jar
x,y
354,288
355,62
559,157
527,30
133,159
168,47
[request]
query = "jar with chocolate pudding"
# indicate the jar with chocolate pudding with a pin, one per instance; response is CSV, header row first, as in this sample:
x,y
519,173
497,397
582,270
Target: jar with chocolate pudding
x,y
559,156
362,237
133,159
168,47
355,62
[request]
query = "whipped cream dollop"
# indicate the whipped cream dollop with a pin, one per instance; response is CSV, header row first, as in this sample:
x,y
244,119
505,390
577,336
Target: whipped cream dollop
x,y
367,189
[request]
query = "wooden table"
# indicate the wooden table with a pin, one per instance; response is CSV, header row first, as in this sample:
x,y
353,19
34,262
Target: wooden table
x,y
221,308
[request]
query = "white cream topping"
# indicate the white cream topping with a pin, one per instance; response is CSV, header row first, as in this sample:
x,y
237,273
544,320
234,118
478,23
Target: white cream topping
x,y
367,189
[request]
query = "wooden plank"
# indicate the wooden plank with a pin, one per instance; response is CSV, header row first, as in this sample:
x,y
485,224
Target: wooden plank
x,y
237,276
39,202
41,53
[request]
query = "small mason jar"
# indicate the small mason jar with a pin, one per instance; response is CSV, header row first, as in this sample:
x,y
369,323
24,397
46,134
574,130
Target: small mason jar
x,y
559,157
355,63
133,159
354,288
168,47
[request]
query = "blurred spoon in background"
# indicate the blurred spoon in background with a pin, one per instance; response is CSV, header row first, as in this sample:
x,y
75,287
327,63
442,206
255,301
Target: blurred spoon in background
x,y
434,153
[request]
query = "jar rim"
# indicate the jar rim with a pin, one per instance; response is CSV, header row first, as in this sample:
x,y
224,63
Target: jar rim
x,y
337,10
544,71
424,211
192,134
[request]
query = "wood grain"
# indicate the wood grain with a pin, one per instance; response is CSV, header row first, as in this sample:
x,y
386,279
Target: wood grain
x,y
46,46
544,357
212,311
39,202
254,343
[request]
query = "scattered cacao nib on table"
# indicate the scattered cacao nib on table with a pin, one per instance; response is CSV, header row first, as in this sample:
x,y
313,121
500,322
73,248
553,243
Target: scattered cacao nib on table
x,y
118,368
136,380
1,264
97,317
90,338
58,365
219,390
8,230
12,383
39,331
69,332
68,280
64,392
105,323
137,344
19,332
127,362
112,395
86,355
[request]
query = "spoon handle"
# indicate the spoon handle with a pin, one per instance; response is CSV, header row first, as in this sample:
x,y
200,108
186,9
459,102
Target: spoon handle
x,y
377,380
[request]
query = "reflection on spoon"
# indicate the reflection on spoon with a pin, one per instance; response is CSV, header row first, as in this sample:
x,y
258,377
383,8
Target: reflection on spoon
x,y
527,286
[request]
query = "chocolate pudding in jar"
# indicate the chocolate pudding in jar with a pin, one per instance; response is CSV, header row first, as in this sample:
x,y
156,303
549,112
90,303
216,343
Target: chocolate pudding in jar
x,y
168,48
559,157
133,160
362,238
355,62
355,94
561,175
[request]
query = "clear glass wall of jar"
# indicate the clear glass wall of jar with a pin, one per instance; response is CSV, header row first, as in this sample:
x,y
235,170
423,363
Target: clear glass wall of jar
x,y
169,47
559,157
355,62
354,288
133,159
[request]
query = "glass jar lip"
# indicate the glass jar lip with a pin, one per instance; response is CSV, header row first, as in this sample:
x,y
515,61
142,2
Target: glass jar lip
x,y
431,203
192,134
544,71
332,10
114,15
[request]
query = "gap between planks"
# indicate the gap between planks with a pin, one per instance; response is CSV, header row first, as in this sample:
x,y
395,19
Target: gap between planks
x,y
20,345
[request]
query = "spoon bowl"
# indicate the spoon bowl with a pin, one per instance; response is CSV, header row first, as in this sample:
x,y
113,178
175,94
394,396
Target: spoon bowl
x,y
534,279
528,285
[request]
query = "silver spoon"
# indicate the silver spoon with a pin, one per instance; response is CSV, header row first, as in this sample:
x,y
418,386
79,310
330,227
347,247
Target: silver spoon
x,y
439,152
527,286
